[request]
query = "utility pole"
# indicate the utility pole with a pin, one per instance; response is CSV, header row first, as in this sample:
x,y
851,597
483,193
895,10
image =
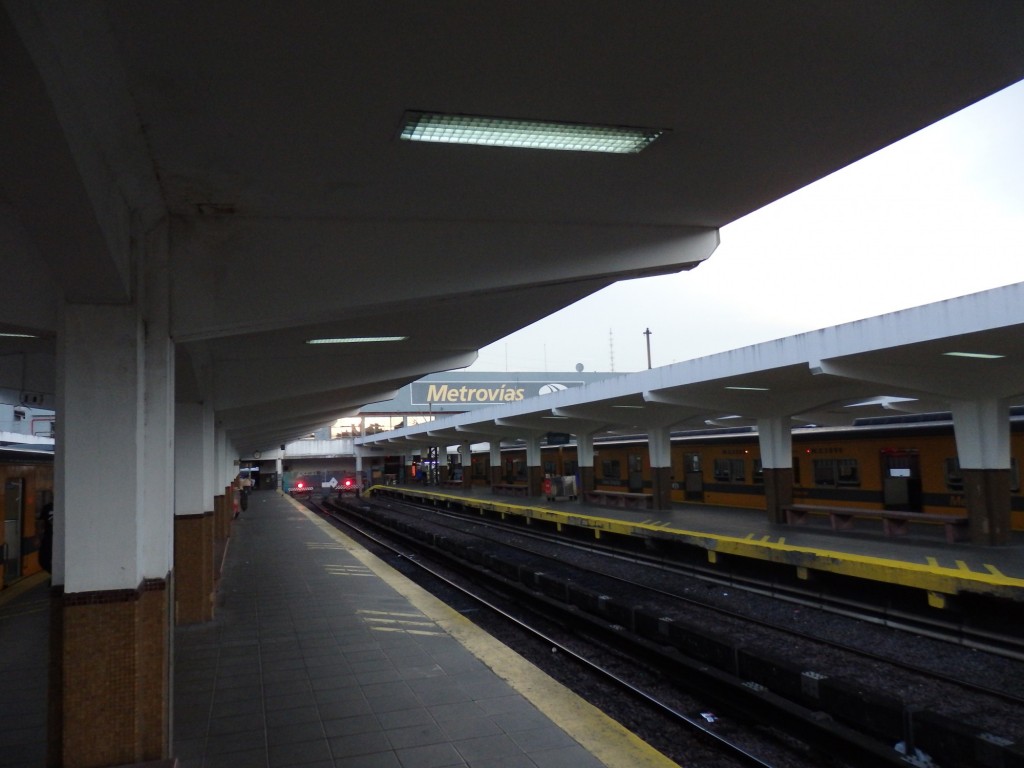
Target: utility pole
x,y
647,333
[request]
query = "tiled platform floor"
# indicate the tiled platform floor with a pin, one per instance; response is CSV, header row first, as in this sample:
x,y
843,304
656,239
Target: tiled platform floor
x,y
316,660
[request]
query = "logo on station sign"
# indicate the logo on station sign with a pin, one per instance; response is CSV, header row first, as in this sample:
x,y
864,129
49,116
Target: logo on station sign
x,y
483,393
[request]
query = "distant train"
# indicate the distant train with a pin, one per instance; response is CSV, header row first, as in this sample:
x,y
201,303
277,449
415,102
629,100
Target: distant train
x,y
907,463
27,502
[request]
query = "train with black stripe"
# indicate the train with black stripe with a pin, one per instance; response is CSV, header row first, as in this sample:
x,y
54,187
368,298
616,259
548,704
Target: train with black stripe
x,y
894,462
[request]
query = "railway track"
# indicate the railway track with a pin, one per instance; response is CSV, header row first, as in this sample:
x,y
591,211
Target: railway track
x,y
597,668
946,631
754,696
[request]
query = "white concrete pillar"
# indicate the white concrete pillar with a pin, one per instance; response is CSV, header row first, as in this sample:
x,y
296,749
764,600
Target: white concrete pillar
x,y
113,479
497,469
466,453
534,468
585,461
99,460
776,442
982,429
660,449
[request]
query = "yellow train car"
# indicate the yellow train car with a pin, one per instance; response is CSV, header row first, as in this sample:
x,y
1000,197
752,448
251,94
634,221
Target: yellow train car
x,y
26,504
907,463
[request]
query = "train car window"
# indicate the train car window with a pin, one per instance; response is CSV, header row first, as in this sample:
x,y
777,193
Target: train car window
x,y
636,463
847,472
571,467
954,477
730,470
610,470
836,472
824,472
1014,476
691,462
796,470
757,474
549,468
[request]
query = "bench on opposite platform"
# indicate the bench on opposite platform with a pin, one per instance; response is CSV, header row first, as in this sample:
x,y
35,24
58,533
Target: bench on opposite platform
x,y
894,522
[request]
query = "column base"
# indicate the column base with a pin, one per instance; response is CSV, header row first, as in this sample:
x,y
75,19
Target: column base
x,y
778,492
194,568
112,689
661,487
987,494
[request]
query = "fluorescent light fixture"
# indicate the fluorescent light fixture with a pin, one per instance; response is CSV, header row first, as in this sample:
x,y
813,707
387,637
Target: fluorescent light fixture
x,y
975,355
18,336
556,418
524,134
628,406
357,340
750,389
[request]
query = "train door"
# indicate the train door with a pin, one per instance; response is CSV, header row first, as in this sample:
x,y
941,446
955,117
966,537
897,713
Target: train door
x,y
13,511
636,473
694,477
901,479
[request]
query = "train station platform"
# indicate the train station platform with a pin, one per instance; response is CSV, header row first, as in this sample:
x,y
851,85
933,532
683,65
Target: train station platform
x,y
921,560
321,655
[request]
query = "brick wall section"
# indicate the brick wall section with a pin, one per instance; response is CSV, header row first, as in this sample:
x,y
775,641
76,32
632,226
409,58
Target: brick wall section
x,y
99,681
153,663
55,703
193,568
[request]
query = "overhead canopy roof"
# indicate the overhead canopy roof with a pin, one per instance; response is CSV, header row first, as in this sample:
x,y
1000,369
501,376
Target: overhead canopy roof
x,y
894,363
256,146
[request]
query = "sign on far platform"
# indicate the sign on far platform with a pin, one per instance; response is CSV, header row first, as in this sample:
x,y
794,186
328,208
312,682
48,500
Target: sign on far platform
x,y
559,438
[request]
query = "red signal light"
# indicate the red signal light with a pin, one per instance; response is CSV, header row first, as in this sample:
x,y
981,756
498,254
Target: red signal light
x,y
299,484
348,482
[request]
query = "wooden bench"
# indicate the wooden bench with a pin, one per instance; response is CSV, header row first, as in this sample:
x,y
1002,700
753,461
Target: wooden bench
x,y
620,499
894,522
510,489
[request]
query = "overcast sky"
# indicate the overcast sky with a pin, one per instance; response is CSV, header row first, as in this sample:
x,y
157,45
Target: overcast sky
x,y
937,215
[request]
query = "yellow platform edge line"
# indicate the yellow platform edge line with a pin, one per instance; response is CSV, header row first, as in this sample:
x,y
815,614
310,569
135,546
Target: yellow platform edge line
x,y
606,739
930,577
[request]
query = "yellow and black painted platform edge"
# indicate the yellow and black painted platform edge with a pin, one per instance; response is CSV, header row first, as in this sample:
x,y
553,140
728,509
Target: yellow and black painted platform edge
x,y
931,577
610,742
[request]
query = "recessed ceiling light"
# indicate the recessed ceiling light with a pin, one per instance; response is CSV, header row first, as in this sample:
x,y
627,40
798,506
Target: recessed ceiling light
x,y
356,340
750,389
975,355
525,134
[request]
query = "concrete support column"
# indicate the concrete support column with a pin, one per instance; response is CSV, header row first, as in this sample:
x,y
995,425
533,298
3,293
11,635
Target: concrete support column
x,y
194,562
114,469
496,468
585,461
982,429
776,442
222,500
660,450
466,452
534,468
442,464
361,479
